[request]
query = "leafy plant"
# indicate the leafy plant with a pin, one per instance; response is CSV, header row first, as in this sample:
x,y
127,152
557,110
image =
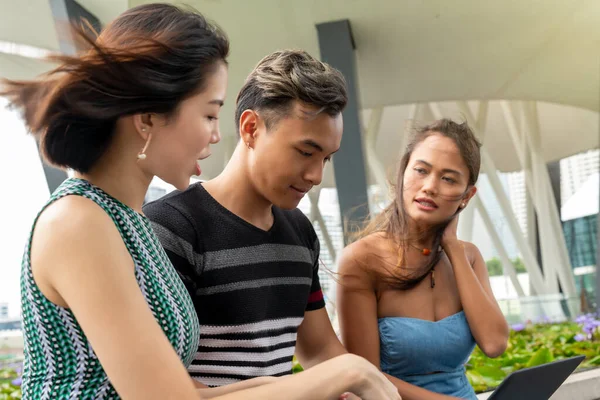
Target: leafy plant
x,y
534,344
10,384
296,367
494,266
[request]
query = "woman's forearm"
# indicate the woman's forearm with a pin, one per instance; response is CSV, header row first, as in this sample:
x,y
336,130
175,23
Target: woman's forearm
x,y
314,383
211,393
486,321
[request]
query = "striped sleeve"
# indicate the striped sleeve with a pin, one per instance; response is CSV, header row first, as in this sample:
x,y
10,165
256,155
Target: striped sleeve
x,y
178,237
315,299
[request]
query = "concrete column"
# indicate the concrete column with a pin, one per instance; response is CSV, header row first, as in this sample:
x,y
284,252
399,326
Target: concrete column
x,y
337,49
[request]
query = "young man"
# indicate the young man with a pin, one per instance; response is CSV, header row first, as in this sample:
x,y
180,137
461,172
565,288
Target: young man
x,y
247,255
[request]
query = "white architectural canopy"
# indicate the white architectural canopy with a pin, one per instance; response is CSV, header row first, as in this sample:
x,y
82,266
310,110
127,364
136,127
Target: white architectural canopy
x,y
525,73
407,52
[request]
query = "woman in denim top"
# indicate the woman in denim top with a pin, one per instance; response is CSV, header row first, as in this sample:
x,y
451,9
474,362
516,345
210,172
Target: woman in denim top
x,y
412,298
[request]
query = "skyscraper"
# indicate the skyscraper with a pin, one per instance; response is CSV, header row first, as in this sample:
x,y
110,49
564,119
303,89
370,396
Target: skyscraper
x,y
575,170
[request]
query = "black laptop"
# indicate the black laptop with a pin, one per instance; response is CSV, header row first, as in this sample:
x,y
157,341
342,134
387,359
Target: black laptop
x,y
536,383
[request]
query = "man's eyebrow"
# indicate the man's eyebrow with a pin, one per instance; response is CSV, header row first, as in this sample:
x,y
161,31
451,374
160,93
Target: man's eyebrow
x,y
313,144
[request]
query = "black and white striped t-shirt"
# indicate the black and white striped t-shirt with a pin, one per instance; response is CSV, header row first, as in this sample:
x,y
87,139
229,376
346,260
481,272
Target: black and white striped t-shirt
x,y
250,287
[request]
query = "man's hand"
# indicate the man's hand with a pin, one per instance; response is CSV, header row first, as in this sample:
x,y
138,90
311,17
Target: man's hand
x,y
349,396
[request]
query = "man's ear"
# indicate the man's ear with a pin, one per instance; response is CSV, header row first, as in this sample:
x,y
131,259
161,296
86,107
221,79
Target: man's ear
x,y
250,122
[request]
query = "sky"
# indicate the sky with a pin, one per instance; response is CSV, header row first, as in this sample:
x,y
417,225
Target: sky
x,y
23,191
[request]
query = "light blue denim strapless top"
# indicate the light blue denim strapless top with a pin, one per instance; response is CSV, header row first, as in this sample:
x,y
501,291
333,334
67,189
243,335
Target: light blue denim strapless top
x,y
411,349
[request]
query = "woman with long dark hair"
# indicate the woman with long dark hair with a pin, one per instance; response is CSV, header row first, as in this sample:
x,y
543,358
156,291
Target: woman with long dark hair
x,y
105,314
412,298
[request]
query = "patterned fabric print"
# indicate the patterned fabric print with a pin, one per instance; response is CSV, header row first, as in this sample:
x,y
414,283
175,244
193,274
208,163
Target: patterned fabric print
x,y
59,361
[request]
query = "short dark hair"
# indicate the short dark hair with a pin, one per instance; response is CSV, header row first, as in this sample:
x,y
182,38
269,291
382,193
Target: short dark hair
x,y
149,59
288,75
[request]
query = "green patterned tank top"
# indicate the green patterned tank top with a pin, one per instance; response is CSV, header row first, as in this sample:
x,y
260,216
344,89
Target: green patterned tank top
x,y
60,363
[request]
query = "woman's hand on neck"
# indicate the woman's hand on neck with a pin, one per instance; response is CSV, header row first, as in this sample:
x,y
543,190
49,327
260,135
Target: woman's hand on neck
x,y
449,236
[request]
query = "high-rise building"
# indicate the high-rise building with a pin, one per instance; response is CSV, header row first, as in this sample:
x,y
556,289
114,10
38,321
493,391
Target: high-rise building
x,y
579,211
517,194
575,170
328,265
329,209
481,237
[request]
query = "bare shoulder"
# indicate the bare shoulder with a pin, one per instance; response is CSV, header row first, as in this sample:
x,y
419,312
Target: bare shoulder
x,y
73,217
69,228
366,257
472,252
359,251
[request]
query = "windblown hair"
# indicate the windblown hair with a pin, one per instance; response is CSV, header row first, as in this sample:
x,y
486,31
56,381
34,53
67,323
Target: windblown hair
x,y
148,60
285,76
393,222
